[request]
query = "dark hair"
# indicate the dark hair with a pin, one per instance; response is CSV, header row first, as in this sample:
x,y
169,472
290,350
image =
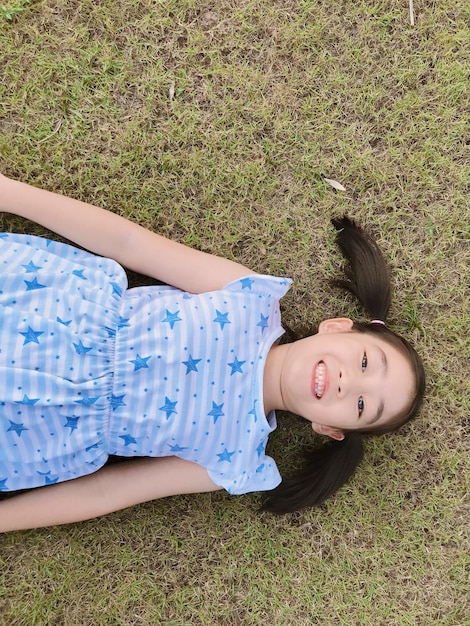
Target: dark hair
x,y
330,466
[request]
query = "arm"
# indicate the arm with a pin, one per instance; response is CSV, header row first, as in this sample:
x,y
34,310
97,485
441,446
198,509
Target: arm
x,y
111,488
110,235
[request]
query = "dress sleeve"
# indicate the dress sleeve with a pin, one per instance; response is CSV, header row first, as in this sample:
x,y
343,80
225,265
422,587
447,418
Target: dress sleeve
x,y
263,477
268,286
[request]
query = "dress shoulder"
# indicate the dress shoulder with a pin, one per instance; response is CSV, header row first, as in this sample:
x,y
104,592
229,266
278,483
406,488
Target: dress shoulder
x,y
261,284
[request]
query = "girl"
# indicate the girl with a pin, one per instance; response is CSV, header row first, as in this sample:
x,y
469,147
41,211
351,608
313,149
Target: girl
x,y
186,377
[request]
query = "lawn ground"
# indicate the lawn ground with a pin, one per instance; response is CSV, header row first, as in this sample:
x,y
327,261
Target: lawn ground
x,y
215,123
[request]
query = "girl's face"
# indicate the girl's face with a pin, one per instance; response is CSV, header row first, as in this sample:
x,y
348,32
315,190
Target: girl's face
x,y
340,379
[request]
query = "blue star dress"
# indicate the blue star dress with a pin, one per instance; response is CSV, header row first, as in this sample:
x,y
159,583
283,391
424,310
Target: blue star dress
x,y
90,368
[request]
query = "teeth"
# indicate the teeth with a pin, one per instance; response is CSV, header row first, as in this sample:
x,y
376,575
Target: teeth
x,y
320,380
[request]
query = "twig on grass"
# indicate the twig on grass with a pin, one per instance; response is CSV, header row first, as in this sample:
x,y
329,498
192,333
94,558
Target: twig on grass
x,y
56,130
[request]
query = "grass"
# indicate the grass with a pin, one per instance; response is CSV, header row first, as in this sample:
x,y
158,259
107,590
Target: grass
x,y
214,123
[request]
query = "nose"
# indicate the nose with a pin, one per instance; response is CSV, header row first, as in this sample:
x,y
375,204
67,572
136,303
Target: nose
x,y
349,384
341,384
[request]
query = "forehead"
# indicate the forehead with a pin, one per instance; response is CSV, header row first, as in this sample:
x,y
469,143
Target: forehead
x,y
396,390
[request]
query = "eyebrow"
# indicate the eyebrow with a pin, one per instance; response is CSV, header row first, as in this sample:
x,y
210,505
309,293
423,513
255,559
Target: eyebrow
x,y
378,415
383,356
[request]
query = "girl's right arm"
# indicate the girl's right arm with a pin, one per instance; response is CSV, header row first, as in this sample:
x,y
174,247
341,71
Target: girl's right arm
x,y
113,236
111,488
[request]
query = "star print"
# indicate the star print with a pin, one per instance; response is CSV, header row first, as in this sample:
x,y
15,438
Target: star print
x,y
263,323
222,318
246,283
49,480
52,480
71,423
260,449
253,410
117,290
260,468
31,285
128,439
31,267
18,428
236,366
79,274
122,322
62,321
171,318
226,455
31,336
116,401
27,400
176,448
140,362
3,484
80,348
216,411
169,407
191,364
87,401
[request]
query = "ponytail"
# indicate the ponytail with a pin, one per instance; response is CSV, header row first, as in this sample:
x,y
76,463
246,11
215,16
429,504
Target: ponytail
x,y
326,470
329,467
367,275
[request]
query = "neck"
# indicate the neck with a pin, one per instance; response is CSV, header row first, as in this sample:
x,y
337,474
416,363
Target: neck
x,y
272,391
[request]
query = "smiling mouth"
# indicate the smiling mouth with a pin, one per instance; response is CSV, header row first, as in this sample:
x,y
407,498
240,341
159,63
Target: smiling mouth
x,y
320,380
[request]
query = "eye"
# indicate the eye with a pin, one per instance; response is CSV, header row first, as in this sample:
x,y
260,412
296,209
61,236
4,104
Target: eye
x,y
364,362
360,405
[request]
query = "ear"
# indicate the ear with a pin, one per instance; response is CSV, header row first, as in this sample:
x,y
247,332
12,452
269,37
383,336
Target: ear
x,y
335,325
329,431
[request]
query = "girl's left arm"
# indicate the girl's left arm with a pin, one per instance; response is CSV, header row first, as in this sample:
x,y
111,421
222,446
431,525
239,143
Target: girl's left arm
x,y
113,236
111,488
